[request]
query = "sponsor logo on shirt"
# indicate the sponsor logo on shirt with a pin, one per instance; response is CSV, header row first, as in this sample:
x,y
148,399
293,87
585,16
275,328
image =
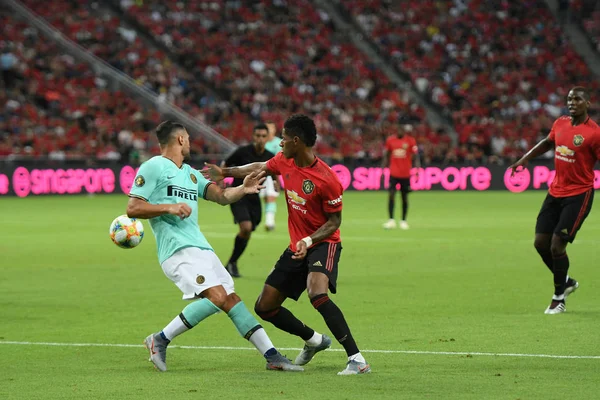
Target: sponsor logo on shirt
x,y
399,153
294,197
295,201
183,193
335,201
565,154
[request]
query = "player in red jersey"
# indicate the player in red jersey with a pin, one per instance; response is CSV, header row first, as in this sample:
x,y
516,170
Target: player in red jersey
x,y
400,149
576,143
314,201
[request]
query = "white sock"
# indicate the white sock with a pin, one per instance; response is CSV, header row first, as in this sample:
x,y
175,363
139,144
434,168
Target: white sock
x,y
270,219
261,341
357,357
315,340
558,298
175,328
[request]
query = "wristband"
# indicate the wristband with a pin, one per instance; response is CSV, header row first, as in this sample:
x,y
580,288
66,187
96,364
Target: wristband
x,y
308,241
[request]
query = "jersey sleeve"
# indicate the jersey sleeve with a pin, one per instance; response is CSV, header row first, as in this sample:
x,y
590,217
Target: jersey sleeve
x,y
596,145
388,144
145,181
332,196
274,164
413,146
203,184
552,134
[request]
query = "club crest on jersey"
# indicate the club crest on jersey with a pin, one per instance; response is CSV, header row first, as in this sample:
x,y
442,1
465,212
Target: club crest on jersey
x,y
577,140
139,181
200,279
193,178
405,146
307,186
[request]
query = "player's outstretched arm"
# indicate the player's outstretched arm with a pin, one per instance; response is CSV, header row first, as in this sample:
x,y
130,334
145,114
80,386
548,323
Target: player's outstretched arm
x,y
253,183
217,174
334,220
542,147
138,208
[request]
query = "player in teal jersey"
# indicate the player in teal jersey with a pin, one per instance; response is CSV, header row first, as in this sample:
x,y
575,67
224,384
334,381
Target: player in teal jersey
x,y
166,191
271,190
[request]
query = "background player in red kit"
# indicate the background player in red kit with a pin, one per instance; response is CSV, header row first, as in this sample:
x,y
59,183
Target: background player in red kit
x,y
314,201
576,143
398,156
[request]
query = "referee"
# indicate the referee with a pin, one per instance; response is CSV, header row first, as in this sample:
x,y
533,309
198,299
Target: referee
x,y
247,213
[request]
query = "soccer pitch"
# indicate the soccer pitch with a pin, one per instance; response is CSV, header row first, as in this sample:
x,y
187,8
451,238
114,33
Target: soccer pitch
x,y
452,308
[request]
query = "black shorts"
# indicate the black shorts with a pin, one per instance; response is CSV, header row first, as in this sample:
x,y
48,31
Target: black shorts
x,y
564,216
404,184
247,210
290,276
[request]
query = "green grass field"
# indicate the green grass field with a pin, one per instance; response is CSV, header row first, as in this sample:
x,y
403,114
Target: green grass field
x,y
451,309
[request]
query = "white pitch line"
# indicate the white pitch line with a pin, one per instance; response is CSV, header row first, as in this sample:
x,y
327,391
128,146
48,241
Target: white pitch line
x,y
443,353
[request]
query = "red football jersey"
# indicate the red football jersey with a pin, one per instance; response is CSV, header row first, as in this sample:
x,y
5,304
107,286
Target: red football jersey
x,y
401,154
310,192
577,148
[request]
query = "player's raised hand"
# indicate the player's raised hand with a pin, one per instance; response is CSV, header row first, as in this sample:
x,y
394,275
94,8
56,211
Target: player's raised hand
x,y
253,183
301,249
180,210
212,172
515,167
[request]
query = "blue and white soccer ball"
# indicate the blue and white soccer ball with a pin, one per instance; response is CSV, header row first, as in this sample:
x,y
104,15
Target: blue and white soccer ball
x,y
126,232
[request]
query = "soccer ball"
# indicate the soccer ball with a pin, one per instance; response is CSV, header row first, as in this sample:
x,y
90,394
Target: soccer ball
x,y
126,232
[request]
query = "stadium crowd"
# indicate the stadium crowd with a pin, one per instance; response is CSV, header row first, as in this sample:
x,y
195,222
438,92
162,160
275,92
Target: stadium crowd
x,y
269,58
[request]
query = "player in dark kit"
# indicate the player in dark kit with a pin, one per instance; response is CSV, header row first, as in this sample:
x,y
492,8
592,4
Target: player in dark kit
x,y
247,212
576,143
314,202
400,150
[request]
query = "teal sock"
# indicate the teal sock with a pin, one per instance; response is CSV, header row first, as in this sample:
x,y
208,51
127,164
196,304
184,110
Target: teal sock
x,y
245,323
195,312
271,207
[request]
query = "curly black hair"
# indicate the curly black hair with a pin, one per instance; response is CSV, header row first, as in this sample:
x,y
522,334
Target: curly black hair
x,y
302,126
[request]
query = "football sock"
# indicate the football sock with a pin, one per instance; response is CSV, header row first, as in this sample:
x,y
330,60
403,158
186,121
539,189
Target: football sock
x,y
335,322
174,329
271,208
404,205
238,248
391,204
315,340
270,219
561,268
546,258
249,328
283,319
195,312
357,357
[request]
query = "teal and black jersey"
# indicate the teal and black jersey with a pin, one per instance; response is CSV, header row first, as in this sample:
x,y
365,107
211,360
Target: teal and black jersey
x,y
159,181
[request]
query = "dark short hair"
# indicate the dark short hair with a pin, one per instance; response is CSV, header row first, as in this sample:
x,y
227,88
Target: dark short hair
x,y
259,127
584,91
166,129
302,126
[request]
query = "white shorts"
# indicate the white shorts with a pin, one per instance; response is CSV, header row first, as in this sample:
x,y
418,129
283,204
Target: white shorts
x,y
194,270
269,190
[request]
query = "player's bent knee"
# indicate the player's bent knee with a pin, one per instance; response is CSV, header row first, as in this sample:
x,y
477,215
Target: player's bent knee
x,y
216,295
265,315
